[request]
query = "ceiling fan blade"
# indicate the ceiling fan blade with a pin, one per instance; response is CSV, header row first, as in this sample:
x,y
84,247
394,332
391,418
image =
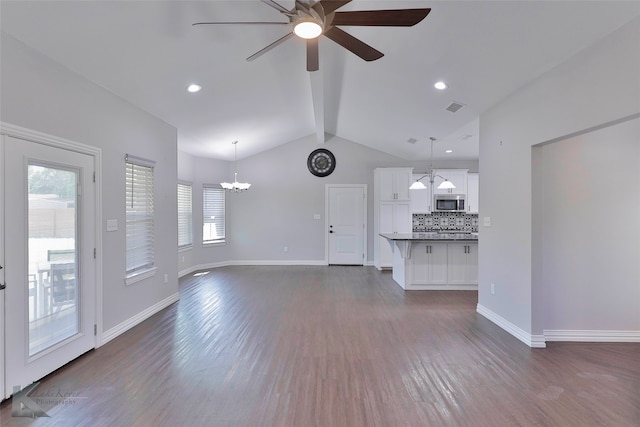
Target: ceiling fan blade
x,y
268,48
312,55
353,44
381,18
331,5
277,6
241,22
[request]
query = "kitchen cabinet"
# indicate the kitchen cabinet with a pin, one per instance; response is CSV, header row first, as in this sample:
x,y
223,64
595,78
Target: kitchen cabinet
x,y
392,210
457,176
473,192
430,261
393,183
421,200
462,260
429,265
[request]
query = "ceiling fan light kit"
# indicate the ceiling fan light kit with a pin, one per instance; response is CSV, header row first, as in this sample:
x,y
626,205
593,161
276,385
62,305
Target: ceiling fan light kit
x,y
308,29
311,20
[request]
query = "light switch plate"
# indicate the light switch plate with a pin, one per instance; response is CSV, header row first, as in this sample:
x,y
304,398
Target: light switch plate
x,y
316,216
112,225
486,221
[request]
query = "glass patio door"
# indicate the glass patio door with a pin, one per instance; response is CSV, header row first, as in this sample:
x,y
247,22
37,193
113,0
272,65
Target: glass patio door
x,y
49,265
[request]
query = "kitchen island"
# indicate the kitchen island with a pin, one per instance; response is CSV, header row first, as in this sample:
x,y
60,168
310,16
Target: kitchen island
x,y
435,260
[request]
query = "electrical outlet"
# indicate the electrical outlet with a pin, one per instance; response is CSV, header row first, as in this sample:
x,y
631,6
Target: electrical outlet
x,y
493,289
112,225
166,278
286,249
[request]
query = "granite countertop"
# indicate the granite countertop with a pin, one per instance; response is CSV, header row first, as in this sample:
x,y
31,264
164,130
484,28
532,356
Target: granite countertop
x,y
430,236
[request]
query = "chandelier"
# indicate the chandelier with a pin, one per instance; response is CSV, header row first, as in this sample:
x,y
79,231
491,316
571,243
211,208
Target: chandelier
x,y
235,186
444,185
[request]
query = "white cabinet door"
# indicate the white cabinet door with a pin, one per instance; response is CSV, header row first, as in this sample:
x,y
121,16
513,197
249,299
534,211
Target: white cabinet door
x,y
429,264
402,220
463,263
421,199
394,183
438,263
395,217
472,263
420,264
473,193
457,176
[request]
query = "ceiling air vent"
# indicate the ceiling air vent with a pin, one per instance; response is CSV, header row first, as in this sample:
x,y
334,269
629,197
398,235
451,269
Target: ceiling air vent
x,y
454,107
412,140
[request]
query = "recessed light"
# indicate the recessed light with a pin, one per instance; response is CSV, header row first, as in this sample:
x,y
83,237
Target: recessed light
x,y
193,88
440,85
448,151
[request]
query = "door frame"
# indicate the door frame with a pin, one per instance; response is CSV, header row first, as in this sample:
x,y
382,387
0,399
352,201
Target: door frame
x,y
365,228
65,144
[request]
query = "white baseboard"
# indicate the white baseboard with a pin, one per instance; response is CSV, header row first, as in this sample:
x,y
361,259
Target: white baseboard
x,y
277,262
536,341
138,318
591,336
199,267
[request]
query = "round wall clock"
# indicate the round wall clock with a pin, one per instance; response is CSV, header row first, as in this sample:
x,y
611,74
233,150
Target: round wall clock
x,y
321,162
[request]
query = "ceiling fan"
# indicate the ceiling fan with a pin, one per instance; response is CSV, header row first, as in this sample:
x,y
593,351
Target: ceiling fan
x,y
311,20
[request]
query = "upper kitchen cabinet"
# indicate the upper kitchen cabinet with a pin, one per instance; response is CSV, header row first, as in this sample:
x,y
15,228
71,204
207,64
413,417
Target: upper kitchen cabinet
x,y
473,192
392,184
457,176
421,199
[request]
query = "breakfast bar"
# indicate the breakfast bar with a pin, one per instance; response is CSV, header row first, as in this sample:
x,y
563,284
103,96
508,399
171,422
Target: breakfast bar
x,y
435,260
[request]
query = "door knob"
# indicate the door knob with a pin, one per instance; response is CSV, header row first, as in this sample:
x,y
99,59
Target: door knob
x,y
2,286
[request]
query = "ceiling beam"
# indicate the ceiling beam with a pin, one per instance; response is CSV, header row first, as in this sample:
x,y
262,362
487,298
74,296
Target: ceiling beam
x,y
317,96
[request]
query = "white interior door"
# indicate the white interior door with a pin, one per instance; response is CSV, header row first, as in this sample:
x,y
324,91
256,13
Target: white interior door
x,y
346,224
49,237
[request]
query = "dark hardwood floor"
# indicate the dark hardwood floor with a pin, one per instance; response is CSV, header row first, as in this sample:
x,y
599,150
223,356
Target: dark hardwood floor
x,y
335,347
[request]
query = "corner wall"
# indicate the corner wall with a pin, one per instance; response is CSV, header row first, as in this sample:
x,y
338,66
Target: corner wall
x,y
596,87
590,235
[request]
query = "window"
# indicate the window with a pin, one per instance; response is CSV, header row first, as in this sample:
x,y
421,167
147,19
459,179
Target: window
x,y
185,216
140,234
213,215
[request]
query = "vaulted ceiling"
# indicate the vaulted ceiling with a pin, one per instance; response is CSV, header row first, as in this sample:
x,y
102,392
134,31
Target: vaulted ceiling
x,y
148,52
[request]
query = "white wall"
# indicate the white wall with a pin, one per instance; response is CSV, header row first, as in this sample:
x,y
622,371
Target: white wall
x,y
597,86
39,94
590,238
278,209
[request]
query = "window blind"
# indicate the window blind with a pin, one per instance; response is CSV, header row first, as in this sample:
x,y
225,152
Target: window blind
x,y
213,210
140,217
185,216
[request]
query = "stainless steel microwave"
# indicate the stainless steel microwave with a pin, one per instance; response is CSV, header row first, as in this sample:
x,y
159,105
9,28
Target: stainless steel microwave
x,y
449,203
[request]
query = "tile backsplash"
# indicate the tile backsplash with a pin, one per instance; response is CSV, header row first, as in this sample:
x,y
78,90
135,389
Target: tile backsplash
x,y
445,221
